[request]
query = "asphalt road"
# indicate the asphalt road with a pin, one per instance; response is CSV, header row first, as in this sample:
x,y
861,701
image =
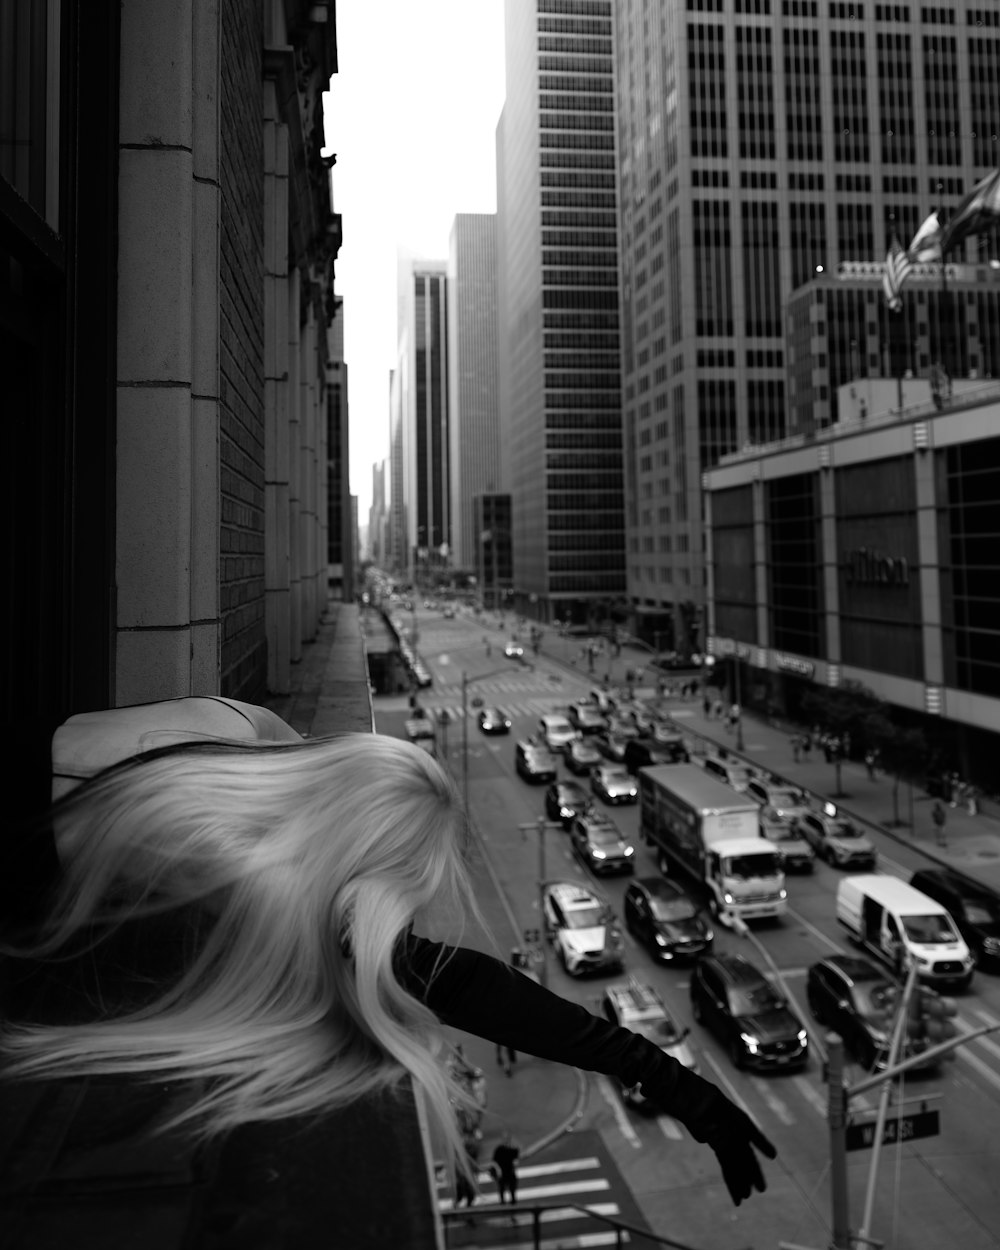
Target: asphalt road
x,y
933,1192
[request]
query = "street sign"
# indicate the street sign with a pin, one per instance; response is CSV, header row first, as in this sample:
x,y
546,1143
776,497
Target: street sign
x,y
897,1129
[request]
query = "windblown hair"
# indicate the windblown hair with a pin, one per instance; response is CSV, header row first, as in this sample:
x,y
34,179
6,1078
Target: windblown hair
x,y
308,862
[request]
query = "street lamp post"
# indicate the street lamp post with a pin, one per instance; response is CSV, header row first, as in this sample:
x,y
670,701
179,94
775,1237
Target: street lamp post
x,y
739,702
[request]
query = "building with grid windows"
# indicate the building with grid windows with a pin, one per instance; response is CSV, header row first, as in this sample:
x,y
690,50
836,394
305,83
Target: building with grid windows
x,y
559,316
419,412
868,554
474,423
768,151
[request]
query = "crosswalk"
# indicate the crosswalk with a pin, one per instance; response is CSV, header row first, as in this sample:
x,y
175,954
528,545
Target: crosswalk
x,y
575,1181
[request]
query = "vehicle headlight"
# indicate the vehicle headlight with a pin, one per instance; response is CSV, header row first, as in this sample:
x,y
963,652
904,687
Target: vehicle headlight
x,y
750,1042
630,850
727,897
803,1037
597,854
660,939
565,812
991,944
709,935
782,894
922,962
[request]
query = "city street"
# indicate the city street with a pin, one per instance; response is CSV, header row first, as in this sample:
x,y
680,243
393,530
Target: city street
x,y
932,1192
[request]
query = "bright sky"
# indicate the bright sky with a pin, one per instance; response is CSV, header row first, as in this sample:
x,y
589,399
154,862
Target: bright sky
x,y
412,117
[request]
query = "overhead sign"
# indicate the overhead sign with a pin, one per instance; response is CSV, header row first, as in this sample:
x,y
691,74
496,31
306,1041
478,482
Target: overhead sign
x,y
897,1129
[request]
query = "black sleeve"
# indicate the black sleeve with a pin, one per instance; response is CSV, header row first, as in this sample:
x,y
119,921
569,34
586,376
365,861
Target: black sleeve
x,y
481,995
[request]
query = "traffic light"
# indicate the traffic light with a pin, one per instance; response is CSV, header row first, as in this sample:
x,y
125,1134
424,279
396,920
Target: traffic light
x,y
931,1018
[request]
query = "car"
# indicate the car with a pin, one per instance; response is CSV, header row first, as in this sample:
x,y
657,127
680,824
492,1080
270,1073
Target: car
x,y
796,853
613,784
582,928
858,1000
646,752
620,726
581,756
976,912
666,731
534,762
666,920
449,614
564,800
634,1005
419,725
732,772
587,718
556,732
836,839
786,800
603,700
494,721
611,747
513,650
732,998
600,844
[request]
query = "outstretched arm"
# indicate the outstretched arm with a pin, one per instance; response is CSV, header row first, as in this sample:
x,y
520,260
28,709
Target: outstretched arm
x,y
479,994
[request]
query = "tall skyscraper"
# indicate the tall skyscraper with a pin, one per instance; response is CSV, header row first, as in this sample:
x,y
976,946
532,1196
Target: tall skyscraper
x,y
422,379
559,320
768,150
474,413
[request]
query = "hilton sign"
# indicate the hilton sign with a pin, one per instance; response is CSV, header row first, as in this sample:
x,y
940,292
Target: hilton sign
x,y
867,566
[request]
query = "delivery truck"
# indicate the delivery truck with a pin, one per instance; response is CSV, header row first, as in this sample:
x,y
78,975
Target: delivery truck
x,y
902,927
703,827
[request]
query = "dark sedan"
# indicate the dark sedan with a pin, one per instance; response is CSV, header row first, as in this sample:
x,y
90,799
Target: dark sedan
x,y
601,845
493,721
581,756
666,920
564,800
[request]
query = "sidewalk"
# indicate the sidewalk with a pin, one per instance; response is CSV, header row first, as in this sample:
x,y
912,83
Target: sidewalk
x,y
972,842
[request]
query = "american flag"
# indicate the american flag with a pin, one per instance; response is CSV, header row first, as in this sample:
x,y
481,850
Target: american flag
x,y
897,267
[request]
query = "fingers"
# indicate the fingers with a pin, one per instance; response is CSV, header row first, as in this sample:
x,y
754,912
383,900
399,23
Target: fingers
x,y
765,1147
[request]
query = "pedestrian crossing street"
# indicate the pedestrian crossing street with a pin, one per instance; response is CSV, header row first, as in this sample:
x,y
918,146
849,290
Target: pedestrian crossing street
x,y
577,1171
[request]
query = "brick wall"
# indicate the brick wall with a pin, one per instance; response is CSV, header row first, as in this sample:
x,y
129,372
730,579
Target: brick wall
x,y
241,364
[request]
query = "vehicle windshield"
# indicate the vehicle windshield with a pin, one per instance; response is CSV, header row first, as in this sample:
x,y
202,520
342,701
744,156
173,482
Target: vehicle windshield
x,y
782,833
786,798
672,908
754,1000
980,911
604,835
585,918
844,829
617,776
929,930
559,726
746,866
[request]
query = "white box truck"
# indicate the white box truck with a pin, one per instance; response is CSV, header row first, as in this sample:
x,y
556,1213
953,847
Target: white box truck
x,y
702,826
899,925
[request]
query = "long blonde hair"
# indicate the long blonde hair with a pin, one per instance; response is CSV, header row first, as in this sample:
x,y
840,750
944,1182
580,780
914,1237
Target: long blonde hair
x,y
308,861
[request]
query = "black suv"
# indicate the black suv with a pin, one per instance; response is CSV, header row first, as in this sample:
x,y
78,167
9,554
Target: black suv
x,y
666,920
858,1001
976,912
733,998
644,752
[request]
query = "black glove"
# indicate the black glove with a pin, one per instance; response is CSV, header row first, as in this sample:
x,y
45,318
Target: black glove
x,y
734,1141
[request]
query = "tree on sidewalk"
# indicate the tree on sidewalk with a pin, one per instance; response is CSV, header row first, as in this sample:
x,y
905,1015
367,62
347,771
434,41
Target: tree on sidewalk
x,y
848,714
903,751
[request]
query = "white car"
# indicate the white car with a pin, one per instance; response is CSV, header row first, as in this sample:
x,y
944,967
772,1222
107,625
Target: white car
x,y
556,732
614,784
582,928
513,650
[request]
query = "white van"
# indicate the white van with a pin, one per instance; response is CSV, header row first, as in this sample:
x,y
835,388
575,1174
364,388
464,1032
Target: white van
x,y
899,925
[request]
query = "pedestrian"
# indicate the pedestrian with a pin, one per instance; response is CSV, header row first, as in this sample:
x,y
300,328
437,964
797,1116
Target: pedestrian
x,y
806,745
796,748
706,706
505,1158
871,762
717,710
506,1058
266,893
939,814
734,715
467,1170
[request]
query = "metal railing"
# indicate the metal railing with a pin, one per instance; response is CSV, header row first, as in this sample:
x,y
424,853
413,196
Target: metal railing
x,y
467,1219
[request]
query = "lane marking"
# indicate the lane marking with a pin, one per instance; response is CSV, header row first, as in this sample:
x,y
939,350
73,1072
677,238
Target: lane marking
x,y
670,1128
810,1093
610,1096
777,1105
